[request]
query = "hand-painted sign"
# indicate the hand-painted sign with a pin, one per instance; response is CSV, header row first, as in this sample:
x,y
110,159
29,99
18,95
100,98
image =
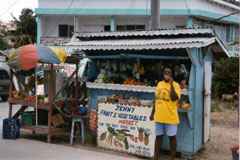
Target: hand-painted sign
x,y
126,128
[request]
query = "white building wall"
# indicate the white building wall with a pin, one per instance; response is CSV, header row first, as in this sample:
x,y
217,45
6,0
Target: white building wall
x,y
204,5
110,4
50,24
96,23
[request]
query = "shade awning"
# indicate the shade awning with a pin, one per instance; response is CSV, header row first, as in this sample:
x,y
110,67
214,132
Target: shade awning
x,y
136,44
164,32
147,40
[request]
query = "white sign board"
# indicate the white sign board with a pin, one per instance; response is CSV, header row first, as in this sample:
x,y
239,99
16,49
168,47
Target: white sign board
x,y
126,128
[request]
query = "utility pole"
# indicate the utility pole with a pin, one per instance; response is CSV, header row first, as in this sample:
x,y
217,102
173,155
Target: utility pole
x,y
155,14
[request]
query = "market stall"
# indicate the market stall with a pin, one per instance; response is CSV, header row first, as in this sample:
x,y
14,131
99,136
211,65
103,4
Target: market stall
x,y
40,85
122,71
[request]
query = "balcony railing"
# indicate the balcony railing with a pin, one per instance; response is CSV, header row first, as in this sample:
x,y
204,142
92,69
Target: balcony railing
x,y
54,41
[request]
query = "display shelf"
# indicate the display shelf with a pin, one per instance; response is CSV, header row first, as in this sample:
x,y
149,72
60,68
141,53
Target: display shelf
x,y
27,103
41,130
123,87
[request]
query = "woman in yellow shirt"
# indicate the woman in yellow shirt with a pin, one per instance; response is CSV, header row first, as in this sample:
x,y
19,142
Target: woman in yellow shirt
x,y
165,112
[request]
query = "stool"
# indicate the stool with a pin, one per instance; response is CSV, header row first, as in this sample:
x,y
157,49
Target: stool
x,y
74,121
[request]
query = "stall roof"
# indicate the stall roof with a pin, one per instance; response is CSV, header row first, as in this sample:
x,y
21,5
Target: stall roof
x,y
163,32
135,44
142,40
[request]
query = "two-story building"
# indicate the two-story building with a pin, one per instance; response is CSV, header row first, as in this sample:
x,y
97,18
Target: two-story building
x,y
57,20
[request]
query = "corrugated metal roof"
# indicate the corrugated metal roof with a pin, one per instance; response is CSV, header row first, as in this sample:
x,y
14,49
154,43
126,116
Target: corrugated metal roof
x,y
139,44
166,32
227,4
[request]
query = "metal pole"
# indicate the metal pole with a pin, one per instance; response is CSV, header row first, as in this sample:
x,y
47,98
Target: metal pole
x,y
155,14
36,98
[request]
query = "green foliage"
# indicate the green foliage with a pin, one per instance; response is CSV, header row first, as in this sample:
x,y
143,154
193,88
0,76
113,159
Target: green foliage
x,y
26,28
3,44
225,77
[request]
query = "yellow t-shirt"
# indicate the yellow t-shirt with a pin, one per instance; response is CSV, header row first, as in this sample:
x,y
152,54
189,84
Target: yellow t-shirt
x,y
166,109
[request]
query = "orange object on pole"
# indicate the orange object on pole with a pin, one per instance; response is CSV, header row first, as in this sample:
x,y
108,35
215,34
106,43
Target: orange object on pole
x,y
28,57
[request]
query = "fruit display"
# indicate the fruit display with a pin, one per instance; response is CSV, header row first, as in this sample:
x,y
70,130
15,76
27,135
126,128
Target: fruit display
x,y
133,101
18,95
131,72
30,99
184,102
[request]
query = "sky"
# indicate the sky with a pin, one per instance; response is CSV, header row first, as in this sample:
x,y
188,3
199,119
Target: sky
x,y
8,7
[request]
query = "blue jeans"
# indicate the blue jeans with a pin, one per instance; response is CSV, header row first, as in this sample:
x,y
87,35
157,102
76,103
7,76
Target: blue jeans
x,y
165,129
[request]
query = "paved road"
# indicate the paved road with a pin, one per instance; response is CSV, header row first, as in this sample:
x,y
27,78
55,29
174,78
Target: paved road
x,y
24,149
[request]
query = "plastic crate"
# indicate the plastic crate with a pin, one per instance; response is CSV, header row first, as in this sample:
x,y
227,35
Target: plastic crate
x,y
29,118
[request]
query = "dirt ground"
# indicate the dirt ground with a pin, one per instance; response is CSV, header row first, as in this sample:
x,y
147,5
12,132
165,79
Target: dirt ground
x,y
224,134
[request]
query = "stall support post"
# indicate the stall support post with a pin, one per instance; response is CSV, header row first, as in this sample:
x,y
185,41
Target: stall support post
x,y
189,23
112,24
207,93
51,92
197,57
39,28
77,84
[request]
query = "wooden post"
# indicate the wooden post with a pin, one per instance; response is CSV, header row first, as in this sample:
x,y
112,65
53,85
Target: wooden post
x,y
77,84
10,93
51,93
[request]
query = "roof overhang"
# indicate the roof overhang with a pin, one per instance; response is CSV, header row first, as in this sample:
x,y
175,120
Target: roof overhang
x,y
136,44
148,40
227,4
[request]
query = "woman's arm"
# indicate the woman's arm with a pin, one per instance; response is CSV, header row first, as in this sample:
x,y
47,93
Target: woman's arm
x,y
173,94
153,111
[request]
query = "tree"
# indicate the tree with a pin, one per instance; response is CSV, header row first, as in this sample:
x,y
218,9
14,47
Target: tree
x,y
3,44
26,27
225,78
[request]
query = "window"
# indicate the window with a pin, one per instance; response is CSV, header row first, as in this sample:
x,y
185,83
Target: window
x,y
140,27
65,30
130,27
107,28
121,28
230,33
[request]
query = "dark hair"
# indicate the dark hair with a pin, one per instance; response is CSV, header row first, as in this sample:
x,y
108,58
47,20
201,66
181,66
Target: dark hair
x,y
167,71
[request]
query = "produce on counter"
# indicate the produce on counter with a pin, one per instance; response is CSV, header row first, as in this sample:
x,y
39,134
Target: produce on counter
x,y
136,72
130,81
133,101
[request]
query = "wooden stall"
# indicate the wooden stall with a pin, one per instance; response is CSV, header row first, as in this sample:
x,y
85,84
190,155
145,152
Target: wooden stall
x,y
44,95
120,103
